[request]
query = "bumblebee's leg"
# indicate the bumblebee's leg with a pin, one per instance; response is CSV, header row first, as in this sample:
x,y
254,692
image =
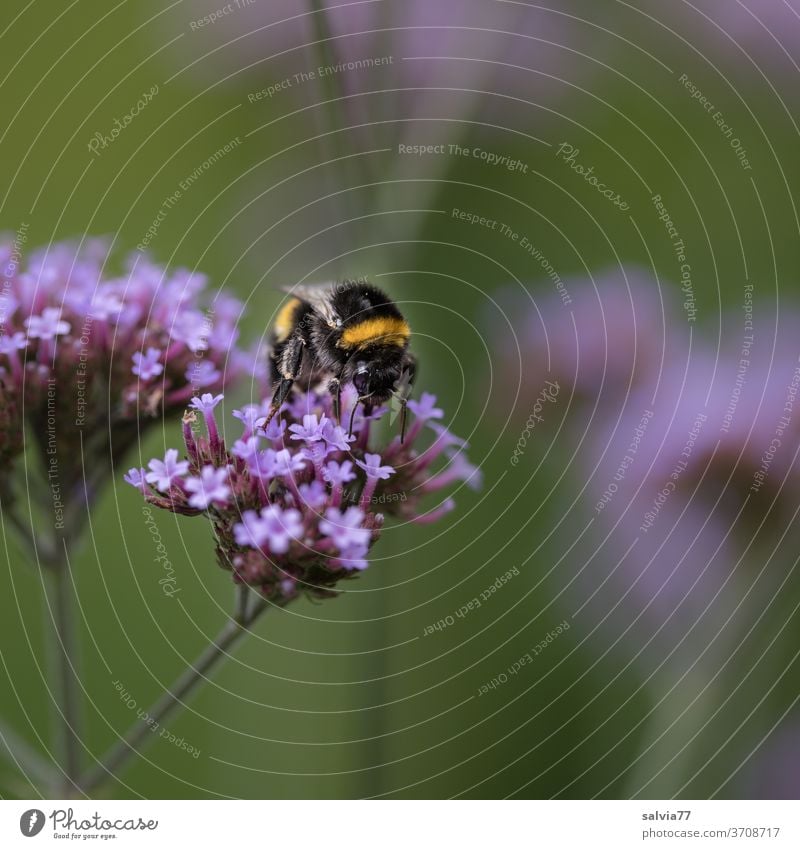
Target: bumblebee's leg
x,y
358,401
288,367
335,388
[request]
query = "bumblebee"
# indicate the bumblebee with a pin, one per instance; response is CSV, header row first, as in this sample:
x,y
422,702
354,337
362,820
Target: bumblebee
x,y
341,333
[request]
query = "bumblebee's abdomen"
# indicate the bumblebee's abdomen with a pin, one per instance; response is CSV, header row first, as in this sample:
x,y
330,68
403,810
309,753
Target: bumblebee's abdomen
x,y
286,319
389,330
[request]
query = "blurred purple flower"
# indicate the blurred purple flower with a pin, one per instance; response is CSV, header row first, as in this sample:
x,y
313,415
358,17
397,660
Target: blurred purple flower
x,y
339,474
210,488
399,74
609,334
462,44
48,325
272,528
690,473
147,365
372,466
767,30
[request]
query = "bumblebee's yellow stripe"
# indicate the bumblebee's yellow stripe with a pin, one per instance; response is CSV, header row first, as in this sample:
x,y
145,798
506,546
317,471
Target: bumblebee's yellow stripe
x,y
379,330
284,320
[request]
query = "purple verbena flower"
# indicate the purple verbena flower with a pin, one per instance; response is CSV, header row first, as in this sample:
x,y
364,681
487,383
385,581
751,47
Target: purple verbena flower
x,y
300,517
372,466
147,366
137,478
335,436
163,472
314,494
345,528
311,430
202,374
338,474
425,408
13,343
247,449
211,487
272,528
48,325
205,403
287,463
275,430
85,345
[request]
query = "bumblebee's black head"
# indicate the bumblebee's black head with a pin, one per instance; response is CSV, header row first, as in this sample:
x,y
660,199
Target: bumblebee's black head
x,y
376,374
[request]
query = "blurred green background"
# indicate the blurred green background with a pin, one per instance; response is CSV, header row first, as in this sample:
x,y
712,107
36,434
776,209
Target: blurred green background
x,y
348,698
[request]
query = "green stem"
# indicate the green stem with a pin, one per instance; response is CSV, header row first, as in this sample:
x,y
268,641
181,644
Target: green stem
x,y
26,757
57,564
335,103
50,553
233,631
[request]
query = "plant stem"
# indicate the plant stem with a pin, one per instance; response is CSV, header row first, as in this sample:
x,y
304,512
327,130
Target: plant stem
x,y
57,564
335,105
51,554
26,757
233,630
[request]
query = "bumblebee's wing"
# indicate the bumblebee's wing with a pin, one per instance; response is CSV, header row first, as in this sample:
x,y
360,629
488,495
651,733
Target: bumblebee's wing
x,y
320,297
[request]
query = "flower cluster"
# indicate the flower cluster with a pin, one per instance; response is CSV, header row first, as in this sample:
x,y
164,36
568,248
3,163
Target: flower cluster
x,y
686,447
90,357
293,504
